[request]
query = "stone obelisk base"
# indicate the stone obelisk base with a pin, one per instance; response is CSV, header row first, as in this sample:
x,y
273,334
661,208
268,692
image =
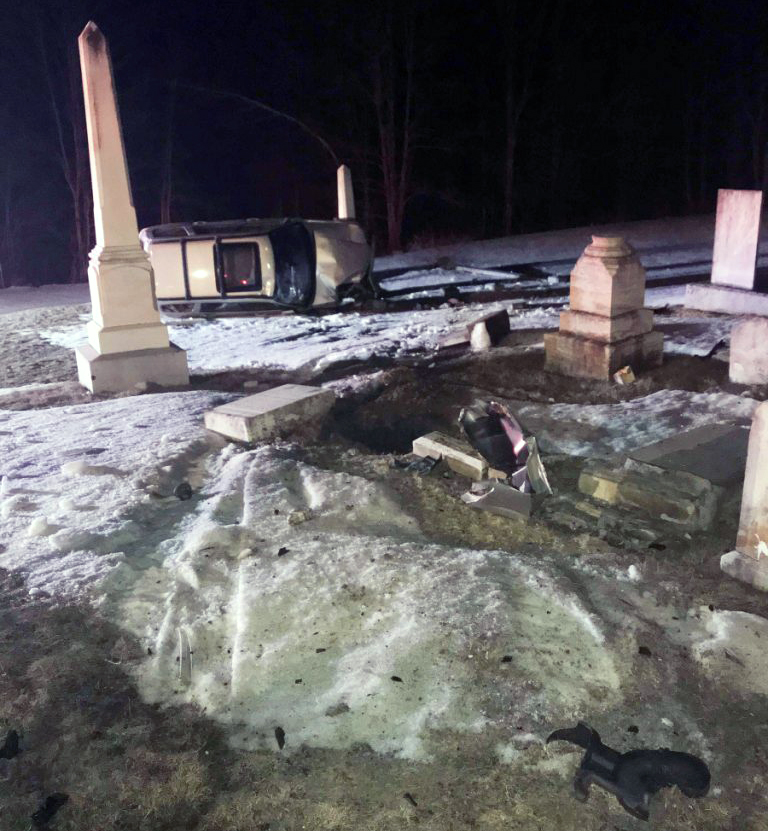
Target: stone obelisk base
x,y
120,371
708,297
745,568
588,358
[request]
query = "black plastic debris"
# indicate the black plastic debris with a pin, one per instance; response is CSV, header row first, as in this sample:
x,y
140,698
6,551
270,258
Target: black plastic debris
x,y
183,491
410,798
422,465
283,551
10,747
47,811
500,439
280,737
643,650
633,777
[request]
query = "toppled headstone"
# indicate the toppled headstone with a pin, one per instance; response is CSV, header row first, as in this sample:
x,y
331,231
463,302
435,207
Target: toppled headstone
x,y
676,497
498,498
458,455
749,352
275,413
749,560
633,777
606,327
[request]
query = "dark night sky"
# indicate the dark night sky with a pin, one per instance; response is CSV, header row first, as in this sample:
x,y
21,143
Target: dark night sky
x,y
607,111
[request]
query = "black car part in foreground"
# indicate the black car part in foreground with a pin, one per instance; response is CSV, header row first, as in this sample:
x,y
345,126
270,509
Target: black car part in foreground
x,y
633,777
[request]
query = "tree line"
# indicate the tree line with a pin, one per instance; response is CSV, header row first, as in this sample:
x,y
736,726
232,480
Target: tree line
x,y
459,120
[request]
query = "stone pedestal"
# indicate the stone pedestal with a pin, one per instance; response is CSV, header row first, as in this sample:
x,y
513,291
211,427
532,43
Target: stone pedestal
x,y
749,561
127,341
734,257
749,352
606,327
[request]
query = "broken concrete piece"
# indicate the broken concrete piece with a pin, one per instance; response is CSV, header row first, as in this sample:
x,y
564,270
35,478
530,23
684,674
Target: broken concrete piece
x,y
272,414
502,500
749,352
624,376
673,496
489,330
749,562
459,455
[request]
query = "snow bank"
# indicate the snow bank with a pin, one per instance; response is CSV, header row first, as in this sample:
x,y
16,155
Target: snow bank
x,y
77,481
347,626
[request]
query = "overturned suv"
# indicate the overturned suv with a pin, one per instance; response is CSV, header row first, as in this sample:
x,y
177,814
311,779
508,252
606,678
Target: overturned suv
x,y
244,264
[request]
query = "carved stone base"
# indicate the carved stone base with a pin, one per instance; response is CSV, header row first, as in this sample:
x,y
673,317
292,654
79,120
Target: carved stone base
x,y
587,358
121,371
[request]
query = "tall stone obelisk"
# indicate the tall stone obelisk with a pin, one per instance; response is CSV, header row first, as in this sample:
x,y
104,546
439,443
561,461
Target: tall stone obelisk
x,y
346,194
127,341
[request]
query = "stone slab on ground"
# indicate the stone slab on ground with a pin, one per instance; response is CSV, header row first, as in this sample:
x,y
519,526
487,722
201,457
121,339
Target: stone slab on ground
x,y
459,455
749,352
272,414
120,371
586,358
714,452
675,497
724,299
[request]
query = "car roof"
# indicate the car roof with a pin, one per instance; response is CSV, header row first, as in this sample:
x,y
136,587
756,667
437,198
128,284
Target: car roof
x,y
176,231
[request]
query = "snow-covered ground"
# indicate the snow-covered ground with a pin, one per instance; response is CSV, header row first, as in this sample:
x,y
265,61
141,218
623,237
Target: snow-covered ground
x,y
286,593
20,298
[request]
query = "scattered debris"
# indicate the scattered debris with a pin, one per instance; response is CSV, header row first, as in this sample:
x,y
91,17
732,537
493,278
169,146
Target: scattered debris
x,y
422,465
458,455
183,491
500,499
283,551
632,777
47,811
633,728
10,747
499,438
280,737
337,709
643,650
411,799
397,678
298,517
624,376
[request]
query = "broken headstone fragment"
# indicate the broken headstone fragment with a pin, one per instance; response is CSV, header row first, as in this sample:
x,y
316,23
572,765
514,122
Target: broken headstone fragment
x,y
488,330
498,498
457,454
633,777
499,438
624,375
47,811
